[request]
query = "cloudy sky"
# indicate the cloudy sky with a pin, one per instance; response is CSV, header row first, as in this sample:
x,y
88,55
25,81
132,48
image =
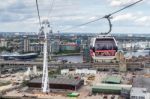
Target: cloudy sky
x,y
21,15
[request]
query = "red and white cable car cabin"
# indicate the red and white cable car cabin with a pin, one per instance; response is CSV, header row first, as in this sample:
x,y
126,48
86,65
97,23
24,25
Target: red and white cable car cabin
x,y
103,46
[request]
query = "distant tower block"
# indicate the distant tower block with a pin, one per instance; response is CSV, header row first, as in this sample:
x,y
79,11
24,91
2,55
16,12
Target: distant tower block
x,y
35,70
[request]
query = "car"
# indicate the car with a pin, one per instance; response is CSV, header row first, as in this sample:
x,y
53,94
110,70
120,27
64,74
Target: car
x,y
112,97
105,97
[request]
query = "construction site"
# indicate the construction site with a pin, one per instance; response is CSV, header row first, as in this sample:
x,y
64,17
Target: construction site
x,y
78,83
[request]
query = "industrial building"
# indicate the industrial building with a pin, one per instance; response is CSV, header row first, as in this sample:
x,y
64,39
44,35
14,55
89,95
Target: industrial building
x,y
110,88
58,83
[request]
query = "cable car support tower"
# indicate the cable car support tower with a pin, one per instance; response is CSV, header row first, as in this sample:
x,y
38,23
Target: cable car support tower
x,y
45,78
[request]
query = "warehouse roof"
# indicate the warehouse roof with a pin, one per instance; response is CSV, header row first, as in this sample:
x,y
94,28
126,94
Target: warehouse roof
x,y
128,87
69,81
112,79
107,87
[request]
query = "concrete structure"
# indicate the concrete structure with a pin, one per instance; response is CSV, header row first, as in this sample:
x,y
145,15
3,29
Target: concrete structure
x,y
139,93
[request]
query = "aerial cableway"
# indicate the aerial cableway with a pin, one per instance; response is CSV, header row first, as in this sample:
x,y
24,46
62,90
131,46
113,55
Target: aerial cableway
x,y
104,45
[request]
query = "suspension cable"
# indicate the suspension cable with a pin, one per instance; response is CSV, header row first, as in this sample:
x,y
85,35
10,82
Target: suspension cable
x,y
37,6
51,7
106,16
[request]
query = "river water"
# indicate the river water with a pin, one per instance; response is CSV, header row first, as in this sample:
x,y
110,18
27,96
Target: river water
x,y
79,58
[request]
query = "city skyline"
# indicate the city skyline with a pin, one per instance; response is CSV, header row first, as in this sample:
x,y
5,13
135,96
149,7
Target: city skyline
x,y
21,15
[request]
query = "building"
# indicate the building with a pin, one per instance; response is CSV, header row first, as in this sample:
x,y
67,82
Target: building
x,y
86,55
142,81
139,93
25,44
58,83
69,47
55,46
3,42
36,47
78,41
112,80
110,88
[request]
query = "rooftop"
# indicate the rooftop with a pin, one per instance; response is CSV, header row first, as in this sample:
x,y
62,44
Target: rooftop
x,y
112,79
135,91
69,81
107,87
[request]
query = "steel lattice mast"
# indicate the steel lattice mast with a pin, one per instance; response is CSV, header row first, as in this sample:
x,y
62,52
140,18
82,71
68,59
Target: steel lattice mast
x,y
45,78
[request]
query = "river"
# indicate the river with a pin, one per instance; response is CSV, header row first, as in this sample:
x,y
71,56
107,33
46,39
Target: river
x,y
79,58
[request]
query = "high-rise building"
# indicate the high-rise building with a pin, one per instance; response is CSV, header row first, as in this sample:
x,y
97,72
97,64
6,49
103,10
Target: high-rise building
x,y
36,47
25,44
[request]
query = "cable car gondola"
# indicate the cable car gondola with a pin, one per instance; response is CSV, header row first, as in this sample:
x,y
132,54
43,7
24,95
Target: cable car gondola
x,y
104,45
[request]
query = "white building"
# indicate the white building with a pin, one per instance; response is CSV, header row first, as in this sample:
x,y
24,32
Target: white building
x,y
3,42
85,71
139,93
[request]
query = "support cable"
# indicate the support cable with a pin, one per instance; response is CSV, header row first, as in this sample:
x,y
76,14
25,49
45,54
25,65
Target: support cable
x,y
106,16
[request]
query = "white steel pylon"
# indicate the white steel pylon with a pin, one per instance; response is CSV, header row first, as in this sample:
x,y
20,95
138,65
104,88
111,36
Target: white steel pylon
x,y
45,78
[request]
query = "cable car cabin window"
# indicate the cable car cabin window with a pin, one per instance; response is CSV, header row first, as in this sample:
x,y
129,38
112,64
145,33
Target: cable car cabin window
x,y
105,47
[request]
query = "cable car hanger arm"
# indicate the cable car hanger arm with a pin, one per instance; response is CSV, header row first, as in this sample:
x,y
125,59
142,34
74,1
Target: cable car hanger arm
x,y
107,17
